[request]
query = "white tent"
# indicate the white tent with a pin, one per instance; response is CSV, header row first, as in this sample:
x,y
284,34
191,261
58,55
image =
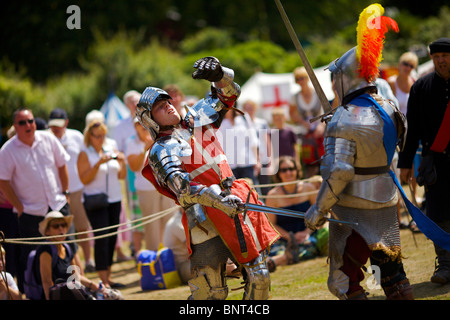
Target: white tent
x,y
114,110
274,90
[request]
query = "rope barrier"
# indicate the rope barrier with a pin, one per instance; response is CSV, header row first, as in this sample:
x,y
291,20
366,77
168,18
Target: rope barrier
x,y
149,219
293,195
142,221
311,179
3,272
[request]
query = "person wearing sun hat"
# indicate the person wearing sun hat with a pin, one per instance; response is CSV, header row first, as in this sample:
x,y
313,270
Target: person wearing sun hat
x,y
54,215
47,272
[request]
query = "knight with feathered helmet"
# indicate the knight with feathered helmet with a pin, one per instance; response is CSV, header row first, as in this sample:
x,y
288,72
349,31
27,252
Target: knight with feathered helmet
x,y
357,185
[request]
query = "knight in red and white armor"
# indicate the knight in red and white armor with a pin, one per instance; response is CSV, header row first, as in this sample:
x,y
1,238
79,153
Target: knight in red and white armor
x,y
188,164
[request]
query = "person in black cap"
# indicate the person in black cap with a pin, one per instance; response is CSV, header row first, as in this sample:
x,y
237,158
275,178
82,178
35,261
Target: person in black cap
x,y
41,124
428,115
58,118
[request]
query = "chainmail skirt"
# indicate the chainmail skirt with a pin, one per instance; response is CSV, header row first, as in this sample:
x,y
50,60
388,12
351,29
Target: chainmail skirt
x,y
211,253
378,227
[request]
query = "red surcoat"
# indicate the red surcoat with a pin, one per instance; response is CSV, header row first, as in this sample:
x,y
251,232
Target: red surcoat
x,y
208,165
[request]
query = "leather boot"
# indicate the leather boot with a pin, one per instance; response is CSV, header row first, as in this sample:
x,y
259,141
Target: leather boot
x,y
441,273
357,295
401,290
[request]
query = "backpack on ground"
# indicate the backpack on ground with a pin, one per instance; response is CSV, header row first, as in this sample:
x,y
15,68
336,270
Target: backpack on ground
x,y
157,269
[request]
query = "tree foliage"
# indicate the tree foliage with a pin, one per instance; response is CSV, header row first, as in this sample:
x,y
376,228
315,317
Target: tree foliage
x,y
132,44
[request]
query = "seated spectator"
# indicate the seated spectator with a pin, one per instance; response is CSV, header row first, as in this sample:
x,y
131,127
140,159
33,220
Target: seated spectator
x,y
8,289
47,272
297,242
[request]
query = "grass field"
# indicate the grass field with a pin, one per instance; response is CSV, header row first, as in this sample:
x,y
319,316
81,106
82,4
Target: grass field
x,y
305,280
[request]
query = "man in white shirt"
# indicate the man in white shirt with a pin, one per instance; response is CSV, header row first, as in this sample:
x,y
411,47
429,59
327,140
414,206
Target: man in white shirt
x,y
33,177
264,168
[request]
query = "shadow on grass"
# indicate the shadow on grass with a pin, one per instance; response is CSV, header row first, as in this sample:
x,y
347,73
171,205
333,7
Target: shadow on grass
x,y
429,290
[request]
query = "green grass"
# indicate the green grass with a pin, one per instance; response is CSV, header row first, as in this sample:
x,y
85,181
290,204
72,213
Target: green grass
x,y
306,280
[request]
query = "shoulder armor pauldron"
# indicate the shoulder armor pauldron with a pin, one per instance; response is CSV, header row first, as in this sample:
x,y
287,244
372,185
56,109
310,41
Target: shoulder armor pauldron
x,y
165,154
202,113
349,121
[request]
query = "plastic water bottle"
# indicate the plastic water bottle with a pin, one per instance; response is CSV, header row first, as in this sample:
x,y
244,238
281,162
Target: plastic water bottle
x,y
100,295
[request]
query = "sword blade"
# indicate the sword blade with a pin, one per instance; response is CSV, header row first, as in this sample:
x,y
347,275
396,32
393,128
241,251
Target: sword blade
x,y
290,213
298,46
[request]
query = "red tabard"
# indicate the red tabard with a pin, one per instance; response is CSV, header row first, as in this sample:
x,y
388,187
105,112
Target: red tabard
x,y
208,165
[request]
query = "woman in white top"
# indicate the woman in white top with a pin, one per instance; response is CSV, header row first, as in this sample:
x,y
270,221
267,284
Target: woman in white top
x,y
150,200
304,106
401,84
100,167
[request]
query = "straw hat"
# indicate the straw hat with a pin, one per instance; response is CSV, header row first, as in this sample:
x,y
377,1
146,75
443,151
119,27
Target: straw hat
x,y
51,216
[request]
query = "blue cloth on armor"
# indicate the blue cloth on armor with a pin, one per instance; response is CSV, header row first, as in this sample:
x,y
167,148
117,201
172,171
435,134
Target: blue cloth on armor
x,y
428,227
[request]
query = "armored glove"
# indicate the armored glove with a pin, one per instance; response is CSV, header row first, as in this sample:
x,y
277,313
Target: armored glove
x,y
208,68
230,204
211,197
314,218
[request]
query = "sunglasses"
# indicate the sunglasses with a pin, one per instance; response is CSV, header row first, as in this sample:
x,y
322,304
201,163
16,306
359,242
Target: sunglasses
x,y
57,225
406,64
283,170
24,122
300,78
100,136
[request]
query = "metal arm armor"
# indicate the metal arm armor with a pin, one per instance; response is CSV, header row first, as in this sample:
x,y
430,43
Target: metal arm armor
x,y
355,137
228,91
207,196
337,170
164,159
353,147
